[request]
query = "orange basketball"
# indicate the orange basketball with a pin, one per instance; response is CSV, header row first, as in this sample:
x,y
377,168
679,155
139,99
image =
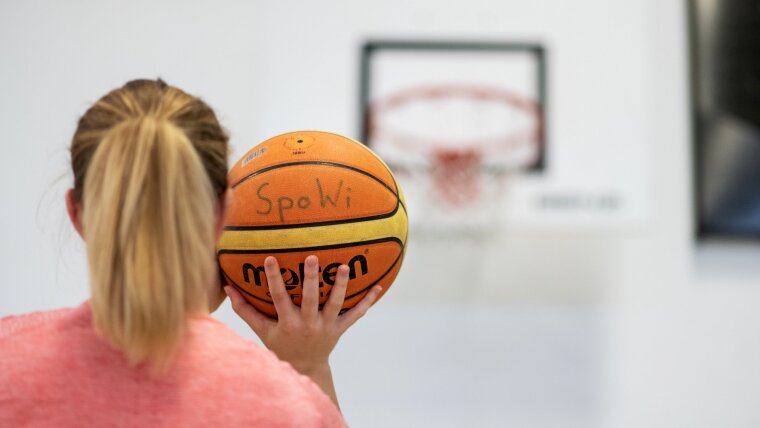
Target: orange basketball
x,y
312,192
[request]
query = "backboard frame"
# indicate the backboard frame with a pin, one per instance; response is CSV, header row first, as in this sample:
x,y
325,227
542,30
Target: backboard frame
x,y
372,47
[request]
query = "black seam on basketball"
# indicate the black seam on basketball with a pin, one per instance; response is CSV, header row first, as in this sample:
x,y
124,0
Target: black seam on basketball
x,y
363,146
398,193
388,170
378,279
399,202
393,265
322,247
321,305
327,247
324,163
320,223
246,291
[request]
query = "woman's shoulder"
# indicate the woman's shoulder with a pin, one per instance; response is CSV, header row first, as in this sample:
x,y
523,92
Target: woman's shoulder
x,y
244,371
35,339
12,326
216,369
234,354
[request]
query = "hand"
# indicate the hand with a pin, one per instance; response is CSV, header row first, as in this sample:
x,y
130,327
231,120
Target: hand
x,y
303,336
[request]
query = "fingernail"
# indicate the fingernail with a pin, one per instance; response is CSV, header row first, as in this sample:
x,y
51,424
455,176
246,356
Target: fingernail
x,y
311,261
270,261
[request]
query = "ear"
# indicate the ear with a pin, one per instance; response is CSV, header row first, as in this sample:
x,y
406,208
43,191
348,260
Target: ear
x,y
222,204
75,212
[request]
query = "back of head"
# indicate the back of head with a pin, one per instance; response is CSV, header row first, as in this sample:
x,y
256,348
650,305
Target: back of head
x,y
149,163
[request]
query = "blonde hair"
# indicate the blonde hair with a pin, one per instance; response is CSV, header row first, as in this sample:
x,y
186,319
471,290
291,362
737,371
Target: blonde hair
x,y
149,162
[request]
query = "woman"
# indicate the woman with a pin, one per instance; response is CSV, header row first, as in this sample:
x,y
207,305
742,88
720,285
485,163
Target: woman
x,y
150,179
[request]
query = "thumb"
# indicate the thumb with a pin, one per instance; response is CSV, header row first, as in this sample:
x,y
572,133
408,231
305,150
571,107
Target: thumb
x,y
258,322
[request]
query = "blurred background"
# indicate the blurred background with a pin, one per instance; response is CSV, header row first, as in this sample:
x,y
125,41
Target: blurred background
x,y
609,278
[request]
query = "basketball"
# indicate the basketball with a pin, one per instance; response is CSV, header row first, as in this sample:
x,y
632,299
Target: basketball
x,y
305,193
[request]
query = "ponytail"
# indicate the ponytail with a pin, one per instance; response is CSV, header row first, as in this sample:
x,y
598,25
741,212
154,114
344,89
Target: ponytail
x,y
149,224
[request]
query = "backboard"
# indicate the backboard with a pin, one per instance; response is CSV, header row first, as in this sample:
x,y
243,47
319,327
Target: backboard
x,y
454,121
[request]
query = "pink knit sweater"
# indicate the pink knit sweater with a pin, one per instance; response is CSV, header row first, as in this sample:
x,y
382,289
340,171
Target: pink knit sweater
x,y
55,372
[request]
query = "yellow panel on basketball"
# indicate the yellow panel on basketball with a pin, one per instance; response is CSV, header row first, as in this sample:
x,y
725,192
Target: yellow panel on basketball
x,y
369,230
312,192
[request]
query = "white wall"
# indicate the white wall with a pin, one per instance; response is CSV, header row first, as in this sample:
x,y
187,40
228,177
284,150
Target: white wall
x,y
567,325
683,332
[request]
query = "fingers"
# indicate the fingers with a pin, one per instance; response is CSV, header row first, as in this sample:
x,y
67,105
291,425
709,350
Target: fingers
x,y
337,294
258,322
282,303
349,318
310,293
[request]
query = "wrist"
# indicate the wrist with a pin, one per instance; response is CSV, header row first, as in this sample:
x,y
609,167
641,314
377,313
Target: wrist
x,y
311,368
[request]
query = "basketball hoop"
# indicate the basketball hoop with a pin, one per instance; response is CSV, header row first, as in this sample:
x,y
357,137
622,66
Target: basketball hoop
x,y
456,171
456,145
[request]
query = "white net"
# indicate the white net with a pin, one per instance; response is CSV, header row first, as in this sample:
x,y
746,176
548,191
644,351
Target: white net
x,y
453,149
